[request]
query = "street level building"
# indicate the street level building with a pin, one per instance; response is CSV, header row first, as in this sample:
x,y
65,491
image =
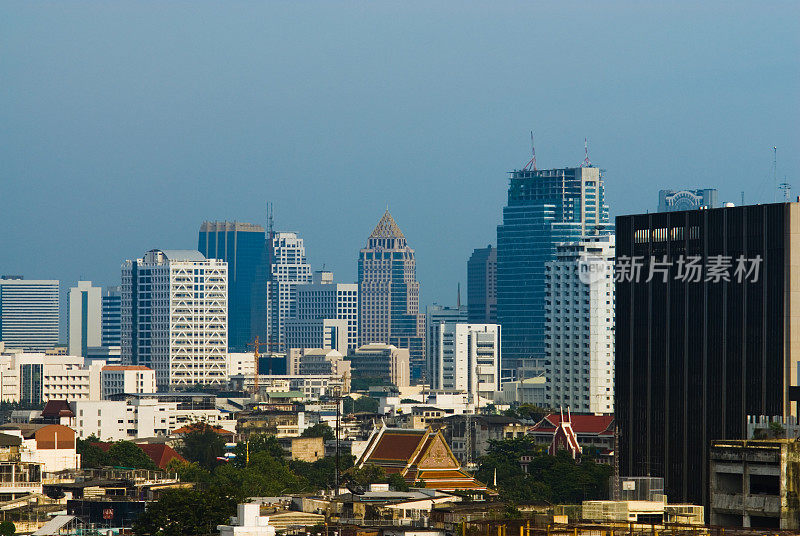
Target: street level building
x,y
28,313
709,339
175,317
754,484
389,293
545,207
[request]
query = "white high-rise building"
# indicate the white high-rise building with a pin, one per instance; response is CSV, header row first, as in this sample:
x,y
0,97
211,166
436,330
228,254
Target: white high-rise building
x,y
436,314
288,269
28,313
324,299
85,318
175,317
579,304
466,358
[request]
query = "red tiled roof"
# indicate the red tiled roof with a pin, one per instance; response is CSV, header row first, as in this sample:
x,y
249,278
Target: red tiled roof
x,y
160,454
57,408
581,424
398,445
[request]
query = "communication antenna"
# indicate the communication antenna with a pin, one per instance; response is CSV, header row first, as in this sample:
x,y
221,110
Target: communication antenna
x,y
787,190
774,171
586,162
531,165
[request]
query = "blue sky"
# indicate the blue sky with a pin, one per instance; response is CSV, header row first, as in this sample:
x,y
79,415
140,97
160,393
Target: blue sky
x,y
123,125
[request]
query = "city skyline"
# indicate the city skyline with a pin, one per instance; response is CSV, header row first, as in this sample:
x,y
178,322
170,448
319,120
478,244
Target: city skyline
x,y
430,128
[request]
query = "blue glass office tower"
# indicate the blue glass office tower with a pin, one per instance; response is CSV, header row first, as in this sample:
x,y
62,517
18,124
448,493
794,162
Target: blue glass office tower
x,y
243,246
545,207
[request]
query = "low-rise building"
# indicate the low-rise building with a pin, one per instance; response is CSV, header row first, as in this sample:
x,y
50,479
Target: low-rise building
x,y
52,446
641,512
35,378
17,478
381,362
116,379
321,362
280,420
527,391
754,484
594,433
311,387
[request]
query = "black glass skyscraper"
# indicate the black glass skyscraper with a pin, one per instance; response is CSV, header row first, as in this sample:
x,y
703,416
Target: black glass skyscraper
x,y
243,246
482,286
544,207
701,345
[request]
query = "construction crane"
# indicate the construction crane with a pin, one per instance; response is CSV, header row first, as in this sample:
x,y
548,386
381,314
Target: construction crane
x,y
531,165
256,344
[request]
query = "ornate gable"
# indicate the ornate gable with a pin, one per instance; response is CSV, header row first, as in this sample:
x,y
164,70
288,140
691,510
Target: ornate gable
x,y
437,455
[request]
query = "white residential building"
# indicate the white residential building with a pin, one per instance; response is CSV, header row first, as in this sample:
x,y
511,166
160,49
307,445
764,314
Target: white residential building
x,y
128,379
38,378
579,328
435,314
466,358
328,333
85,318
114,420
324,299
28,313
240,363
175,317
289,269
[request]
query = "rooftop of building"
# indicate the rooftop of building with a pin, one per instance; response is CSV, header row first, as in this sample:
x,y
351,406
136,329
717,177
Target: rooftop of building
x,y
387,228
218,226
581,424
125,367
182,254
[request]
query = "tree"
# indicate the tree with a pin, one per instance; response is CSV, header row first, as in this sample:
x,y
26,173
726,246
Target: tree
x,y
203,445
257,443
264,476
777,430
189,472
186,511
128,454
91,455
397,482
320,429
320,474
7,528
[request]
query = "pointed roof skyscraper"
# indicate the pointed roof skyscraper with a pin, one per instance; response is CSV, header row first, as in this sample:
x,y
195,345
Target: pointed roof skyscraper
x,y
387,234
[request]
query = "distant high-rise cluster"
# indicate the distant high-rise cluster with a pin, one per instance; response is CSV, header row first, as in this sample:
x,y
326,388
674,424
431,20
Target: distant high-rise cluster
x,y
28,313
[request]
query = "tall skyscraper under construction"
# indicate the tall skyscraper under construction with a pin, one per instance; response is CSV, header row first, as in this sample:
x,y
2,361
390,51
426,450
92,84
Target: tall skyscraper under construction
x,y
388,293
545,207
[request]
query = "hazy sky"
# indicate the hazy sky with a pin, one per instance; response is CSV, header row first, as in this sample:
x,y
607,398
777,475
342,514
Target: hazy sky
x,y
123,125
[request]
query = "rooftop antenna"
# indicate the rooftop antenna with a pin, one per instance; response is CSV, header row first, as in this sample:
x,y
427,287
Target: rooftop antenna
x,y
787,190
774,172
586,162
458,301
531,165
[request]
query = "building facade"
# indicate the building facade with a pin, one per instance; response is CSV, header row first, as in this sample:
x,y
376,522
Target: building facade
x,y
381,362
243,247
126,379
324,299
111,323
466,358
389,294
702,344
328,333
175,317
545,207
36,378
678,200
28,313
579,327
482,286
85,318
288,269
436,314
